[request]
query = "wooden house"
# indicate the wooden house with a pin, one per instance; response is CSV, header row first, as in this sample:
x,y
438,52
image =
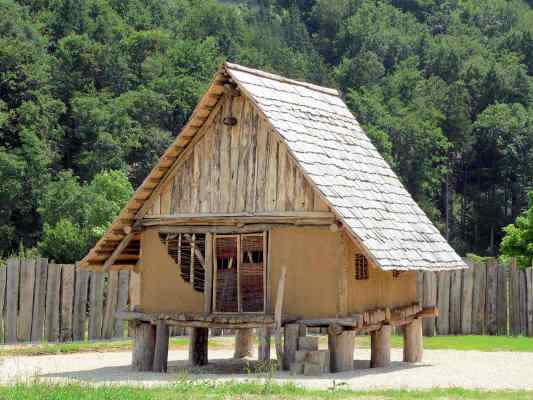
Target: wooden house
x,y
272,209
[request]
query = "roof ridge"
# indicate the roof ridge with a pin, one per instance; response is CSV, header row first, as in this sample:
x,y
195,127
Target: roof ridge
x,y
279,78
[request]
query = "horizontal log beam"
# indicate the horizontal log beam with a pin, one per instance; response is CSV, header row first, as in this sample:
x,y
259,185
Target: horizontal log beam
x,y
240,219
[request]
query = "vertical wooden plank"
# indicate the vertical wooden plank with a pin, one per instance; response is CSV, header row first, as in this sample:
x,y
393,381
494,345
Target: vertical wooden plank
x,y
215,166
244,157
110,305
205,173
208,278
12,298
523,302
455,301
237,106
281,195
80,304
429,299
96,305
225,163
443,302
122,301
53,286
467,298
419,286
478,299
272,174
3,281
253,121
491,322
502,310
269,307
529,307
156,208
514,298
39,300
261,164
135,290
165,200
68,276
27,286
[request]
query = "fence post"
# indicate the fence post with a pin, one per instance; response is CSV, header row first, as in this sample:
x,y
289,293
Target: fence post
x,y
466,306
429,299
529,286
96,305
514,299
3,278
443,301
502,305
39,299
456,298
12,298
491,322
478,299
80,303
53,286
67,301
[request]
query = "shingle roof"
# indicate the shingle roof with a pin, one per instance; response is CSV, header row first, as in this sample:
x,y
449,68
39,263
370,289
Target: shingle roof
x,y
336,155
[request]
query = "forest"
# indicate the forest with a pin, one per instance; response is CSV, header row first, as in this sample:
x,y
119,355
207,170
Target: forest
x,y
92,92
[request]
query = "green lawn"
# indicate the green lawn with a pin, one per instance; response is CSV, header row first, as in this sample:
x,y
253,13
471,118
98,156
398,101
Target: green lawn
x,y
480,343
232,390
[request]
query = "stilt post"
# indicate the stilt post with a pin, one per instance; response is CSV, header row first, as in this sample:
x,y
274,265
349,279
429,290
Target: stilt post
x,y
143,347
380,347
263,340
161,347
413,347
290,345
198,346
243,343
341,346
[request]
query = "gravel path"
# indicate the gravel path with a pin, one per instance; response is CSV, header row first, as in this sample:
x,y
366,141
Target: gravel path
x,y
441,368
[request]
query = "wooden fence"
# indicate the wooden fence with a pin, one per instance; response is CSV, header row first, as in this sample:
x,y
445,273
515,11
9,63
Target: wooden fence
x,y
486,299
59,302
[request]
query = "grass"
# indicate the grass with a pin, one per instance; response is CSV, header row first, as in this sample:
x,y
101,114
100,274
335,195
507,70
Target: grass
x,y
479,343
234,390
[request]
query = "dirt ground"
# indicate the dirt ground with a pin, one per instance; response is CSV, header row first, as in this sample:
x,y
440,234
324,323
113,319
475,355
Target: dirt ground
x,y
441,368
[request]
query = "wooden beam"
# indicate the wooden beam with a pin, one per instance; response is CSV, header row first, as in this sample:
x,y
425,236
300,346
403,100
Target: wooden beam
x,y
121,246
239,219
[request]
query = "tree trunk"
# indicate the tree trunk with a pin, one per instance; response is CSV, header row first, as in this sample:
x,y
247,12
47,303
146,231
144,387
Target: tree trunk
x,y
198,346
243,343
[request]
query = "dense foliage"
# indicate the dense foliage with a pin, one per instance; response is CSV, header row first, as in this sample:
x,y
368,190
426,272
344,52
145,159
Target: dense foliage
x,y
91,87
518,239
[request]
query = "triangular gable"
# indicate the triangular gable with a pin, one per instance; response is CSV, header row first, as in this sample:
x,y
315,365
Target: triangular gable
x,y
325,145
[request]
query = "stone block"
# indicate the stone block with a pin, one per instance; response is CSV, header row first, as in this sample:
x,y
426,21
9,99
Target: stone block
x,y
308,343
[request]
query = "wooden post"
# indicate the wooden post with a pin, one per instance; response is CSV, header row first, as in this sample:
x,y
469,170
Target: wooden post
x,y
290,344
278,313
143,347
380,347
341,348
413,347
244,343
198,346
12,299
263,340
161,347
466,301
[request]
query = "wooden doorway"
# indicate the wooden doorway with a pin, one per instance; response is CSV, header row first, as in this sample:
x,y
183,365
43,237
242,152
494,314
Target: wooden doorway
x,y
239,281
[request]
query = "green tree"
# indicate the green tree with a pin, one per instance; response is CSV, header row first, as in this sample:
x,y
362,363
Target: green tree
x,y
75,215
518,239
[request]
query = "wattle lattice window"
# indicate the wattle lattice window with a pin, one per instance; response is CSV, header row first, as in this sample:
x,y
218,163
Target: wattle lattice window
x,y
188,252
361,267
